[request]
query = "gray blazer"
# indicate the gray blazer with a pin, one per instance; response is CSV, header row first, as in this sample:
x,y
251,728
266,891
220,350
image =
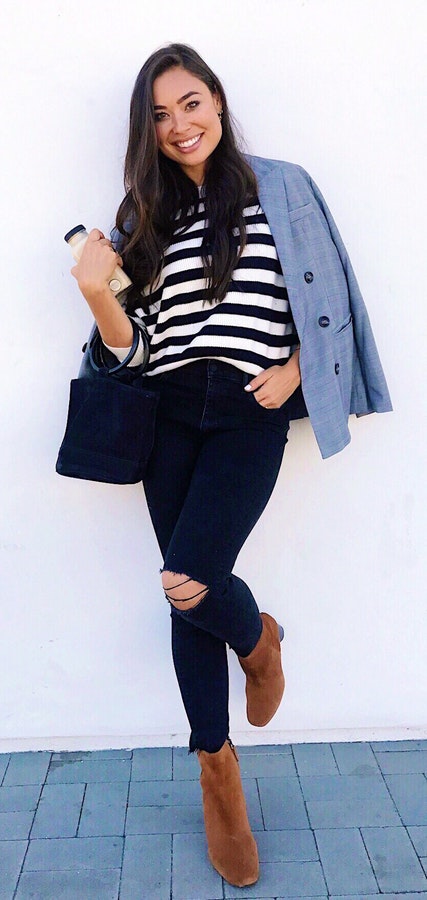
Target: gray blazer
x,y
341,371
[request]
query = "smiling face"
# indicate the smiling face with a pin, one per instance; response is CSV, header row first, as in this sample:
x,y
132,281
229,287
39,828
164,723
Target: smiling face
x,y
188,127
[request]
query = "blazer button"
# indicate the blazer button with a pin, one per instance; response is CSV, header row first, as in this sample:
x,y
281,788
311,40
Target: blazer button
x,y
337,368
323,321
308,277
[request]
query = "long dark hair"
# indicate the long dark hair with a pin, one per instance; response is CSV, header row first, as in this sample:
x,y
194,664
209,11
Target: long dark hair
x,y
158,191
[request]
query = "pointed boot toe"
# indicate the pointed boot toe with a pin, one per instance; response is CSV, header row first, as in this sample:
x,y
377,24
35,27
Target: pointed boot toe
x,y
231,845
265,682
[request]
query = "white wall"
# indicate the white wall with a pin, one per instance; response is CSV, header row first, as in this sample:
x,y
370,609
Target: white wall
x,y
337,86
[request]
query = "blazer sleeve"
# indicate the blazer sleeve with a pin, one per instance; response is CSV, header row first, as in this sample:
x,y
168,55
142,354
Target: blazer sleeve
x,y
370,389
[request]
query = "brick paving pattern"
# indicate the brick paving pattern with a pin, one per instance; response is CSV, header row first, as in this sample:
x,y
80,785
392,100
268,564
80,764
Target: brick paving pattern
x,y
343,821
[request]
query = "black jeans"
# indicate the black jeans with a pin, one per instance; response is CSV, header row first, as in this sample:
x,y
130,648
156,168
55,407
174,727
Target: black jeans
x,y
215,460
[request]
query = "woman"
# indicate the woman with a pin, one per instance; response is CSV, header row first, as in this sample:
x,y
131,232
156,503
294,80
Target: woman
x,y
248,296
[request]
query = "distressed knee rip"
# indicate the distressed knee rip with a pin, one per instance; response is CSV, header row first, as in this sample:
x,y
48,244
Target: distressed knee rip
x,y
182,591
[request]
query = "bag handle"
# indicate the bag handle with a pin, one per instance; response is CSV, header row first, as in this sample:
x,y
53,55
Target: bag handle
x,y
96,356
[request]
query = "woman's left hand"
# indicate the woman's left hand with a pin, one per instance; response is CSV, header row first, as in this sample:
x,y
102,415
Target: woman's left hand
x,y
274,385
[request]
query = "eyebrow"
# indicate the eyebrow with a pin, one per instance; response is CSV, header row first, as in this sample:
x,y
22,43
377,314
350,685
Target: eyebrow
x,y
181,99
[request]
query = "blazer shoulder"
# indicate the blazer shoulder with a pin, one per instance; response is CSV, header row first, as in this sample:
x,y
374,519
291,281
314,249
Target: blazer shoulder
x,y
262,165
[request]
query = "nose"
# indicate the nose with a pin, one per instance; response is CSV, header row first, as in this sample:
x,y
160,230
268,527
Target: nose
x,y
180,124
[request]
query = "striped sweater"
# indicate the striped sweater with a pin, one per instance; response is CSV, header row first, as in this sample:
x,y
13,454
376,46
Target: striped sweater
x,y
252,328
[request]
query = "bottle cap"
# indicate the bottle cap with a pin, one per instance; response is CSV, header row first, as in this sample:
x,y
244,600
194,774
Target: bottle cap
x,y
73,231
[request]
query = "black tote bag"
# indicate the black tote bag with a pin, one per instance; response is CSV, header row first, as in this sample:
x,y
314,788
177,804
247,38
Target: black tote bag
x,y
111,416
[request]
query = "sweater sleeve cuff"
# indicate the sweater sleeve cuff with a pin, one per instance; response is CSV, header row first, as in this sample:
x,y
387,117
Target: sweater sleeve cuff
x,y
122,352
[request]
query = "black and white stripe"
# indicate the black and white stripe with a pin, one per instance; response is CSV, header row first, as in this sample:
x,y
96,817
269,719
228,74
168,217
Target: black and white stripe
x,y
252,328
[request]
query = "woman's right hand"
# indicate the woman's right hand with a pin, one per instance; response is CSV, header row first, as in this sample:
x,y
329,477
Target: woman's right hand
x,y
96,264
93,273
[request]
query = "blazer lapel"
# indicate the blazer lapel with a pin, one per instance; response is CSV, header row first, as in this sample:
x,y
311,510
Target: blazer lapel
x,y
273,199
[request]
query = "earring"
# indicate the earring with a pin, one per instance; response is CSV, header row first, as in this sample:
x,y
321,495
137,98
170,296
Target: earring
x,y
220,115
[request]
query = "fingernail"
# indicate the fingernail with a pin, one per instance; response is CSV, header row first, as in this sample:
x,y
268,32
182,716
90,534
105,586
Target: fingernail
x,y
248,387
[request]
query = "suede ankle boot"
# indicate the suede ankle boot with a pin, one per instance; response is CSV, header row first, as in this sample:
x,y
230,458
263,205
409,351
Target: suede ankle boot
x,y
231,844
265,681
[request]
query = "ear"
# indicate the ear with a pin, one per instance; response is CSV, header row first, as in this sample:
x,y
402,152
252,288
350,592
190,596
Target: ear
x,y
217,102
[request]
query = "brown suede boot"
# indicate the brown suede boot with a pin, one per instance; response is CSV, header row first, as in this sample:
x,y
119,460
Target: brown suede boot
x,y
231,844
265,681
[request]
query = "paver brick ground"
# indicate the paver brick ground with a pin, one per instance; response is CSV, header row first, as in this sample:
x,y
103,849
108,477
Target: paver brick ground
x,y
346,821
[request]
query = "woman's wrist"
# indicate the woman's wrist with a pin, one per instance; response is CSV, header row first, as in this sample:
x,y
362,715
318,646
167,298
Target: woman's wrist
x,y
95,293
293,367
113,323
